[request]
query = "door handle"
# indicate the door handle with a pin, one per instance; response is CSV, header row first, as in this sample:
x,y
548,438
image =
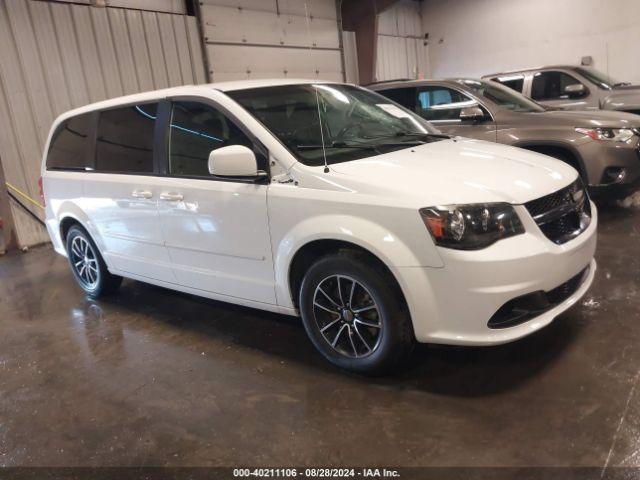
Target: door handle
x,y
141,194
171,196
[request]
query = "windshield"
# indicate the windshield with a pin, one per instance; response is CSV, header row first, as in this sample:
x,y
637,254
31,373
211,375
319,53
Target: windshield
x,y
602,80
355,122
503,96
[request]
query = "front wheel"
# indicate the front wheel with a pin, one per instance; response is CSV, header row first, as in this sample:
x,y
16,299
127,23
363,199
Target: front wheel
x,y
87,264
353,314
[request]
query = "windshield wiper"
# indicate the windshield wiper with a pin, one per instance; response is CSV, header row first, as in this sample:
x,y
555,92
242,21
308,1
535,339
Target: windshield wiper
x,y
362,146
409,134
337,145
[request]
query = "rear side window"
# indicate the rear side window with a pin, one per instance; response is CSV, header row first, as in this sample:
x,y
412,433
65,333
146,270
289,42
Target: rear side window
x,y
125,139
515,82
551,85
69,145
196,130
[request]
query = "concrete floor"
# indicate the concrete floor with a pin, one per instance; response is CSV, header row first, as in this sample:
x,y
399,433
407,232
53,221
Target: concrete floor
x,y
153,377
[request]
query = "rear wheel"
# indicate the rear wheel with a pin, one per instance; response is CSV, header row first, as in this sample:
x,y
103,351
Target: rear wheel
x,y
353,315
87,264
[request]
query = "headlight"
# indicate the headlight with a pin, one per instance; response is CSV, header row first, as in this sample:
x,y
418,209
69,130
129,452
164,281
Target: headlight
x,y
471,227
611,134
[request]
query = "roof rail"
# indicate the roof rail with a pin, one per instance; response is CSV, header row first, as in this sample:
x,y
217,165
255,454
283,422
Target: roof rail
x,y
390,81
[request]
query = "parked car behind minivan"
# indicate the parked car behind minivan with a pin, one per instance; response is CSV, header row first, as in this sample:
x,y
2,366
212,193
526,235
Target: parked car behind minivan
x,y
322,200
603,146
572,88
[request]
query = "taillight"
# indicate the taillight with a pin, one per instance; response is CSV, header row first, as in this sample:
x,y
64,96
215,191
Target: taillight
x,y
41,191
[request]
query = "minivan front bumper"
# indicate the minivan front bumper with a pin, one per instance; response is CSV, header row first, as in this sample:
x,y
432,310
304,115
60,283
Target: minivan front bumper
x,y
455,304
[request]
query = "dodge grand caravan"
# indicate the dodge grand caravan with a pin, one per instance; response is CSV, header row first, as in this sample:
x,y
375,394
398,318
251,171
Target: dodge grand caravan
x,y
322,200
603,146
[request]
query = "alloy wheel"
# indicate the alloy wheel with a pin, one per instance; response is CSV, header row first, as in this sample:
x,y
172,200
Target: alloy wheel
x,y
84,261
347,316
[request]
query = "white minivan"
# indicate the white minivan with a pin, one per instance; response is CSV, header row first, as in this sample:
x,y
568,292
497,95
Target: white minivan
x,y
322,200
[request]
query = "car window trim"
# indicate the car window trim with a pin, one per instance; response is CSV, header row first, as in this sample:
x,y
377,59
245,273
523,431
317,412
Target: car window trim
x,y
456,88
257,144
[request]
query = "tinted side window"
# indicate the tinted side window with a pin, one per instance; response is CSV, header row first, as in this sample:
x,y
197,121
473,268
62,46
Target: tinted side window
x,y
551,85
442,103
514,82
125,139
196,130
68,149
403,96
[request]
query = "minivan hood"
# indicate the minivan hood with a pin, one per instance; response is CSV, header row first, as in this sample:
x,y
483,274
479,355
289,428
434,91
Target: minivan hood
x,y
459,170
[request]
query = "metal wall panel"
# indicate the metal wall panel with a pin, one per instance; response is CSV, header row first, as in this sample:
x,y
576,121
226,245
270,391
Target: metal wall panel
x,y
55,56
168,6
401,52
260,39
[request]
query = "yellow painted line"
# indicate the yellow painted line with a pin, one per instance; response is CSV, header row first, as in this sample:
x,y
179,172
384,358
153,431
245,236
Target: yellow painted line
x,y
24,195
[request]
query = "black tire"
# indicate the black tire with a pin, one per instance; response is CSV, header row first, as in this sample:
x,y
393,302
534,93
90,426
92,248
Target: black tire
x,y
387,345
87,265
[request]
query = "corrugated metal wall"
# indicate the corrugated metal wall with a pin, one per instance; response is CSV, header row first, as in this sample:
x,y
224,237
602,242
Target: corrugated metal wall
x,y
401,51
58,56
168,6
272,38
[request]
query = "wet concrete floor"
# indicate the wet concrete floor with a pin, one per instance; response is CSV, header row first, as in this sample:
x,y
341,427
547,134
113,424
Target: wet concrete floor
x,y
154,377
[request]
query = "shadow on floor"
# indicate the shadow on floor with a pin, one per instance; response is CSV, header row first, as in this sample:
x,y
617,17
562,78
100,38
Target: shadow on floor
x,y
445,370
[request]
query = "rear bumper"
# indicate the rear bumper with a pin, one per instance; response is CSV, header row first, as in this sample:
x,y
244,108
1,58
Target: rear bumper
x,y
454,304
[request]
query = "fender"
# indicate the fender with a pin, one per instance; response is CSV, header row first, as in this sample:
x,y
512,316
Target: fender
x,y
378,240
621,104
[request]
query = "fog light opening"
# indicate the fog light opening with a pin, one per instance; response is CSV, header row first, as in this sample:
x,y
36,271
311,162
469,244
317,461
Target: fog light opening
x,y
614,175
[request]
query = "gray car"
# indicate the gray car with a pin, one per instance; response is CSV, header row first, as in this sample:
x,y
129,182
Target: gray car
x,y
572,88
603,146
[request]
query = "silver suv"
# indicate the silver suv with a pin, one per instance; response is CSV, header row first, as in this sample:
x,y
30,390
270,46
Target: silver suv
x,y
572,88
603,146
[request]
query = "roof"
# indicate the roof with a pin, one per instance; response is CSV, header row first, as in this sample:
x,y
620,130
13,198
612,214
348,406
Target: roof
x,y
529,69
187,90
269,82
415,83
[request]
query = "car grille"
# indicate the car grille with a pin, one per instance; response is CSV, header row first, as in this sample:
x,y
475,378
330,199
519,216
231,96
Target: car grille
x,y
562,215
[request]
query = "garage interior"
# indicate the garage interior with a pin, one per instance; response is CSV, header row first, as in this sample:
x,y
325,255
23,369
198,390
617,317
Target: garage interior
x,y
152,377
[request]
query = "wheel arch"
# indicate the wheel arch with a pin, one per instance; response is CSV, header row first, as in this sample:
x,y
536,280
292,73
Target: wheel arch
x,y
324,234
313,250
66,223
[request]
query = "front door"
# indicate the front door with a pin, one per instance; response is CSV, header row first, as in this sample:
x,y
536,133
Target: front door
x,y
216,230
548,88
441,106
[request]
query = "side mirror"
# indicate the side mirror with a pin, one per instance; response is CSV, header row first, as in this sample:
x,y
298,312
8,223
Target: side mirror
x,y
234,161
575,90
472,113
